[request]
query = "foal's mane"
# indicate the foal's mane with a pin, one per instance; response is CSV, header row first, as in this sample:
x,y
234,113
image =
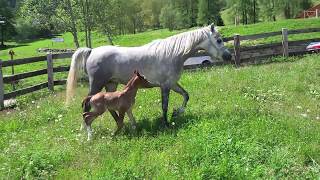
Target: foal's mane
x,y
179,44
130,81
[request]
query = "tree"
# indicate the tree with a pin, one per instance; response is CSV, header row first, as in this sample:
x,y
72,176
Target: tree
x,y
167,17
209,11
61,14
105,18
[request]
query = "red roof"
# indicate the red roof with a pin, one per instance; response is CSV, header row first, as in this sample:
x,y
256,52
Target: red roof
x,y
311,12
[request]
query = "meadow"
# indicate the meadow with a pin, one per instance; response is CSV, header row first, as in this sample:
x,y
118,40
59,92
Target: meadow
x,y
251,122
259,121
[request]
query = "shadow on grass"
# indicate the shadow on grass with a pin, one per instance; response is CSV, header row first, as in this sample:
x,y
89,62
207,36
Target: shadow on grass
x,y
6,47
154,126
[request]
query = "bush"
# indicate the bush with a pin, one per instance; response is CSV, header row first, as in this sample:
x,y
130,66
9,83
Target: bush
x,y
29,30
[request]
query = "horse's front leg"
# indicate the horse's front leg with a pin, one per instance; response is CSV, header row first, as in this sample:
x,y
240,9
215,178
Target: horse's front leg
x,y
178,89
165,91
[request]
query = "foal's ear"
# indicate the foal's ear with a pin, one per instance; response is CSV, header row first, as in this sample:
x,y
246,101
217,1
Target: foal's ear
x,y
137,73
212,27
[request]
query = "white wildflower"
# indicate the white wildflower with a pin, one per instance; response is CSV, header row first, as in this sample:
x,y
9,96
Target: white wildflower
x,y
304,115
299,107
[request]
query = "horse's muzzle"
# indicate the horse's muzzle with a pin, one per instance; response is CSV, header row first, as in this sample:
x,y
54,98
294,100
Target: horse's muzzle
x,y
226,56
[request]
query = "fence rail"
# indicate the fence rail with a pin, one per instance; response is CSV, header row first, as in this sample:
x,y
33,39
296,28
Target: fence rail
x,y
240,54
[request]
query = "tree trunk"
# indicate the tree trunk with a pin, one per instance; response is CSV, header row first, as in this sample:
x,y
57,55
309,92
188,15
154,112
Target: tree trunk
x,y
84,12
208,12
73,24
75,38
109,38
273,11
89,24
254,11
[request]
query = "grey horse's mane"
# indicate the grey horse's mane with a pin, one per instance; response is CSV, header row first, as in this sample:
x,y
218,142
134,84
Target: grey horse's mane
x,y
178,45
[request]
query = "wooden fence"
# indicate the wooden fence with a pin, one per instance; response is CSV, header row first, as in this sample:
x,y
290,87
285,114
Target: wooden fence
x,y
50,70
240,55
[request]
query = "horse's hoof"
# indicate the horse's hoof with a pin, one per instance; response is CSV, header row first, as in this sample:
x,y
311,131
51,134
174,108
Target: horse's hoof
x,y
165,124
177,112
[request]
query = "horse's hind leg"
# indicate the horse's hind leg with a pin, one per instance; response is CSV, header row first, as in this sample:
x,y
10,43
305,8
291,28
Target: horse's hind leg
x,y
178,89
111,87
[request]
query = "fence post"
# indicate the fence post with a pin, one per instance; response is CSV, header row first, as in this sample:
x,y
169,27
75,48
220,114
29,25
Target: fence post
x,y
50,72
11,53
317,13
237,49
1,87
285,44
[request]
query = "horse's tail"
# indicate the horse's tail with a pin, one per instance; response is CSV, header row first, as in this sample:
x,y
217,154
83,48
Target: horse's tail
x,y
79,59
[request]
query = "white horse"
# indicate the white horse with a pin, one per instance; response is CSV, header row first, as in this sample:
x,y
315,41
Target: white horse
x,y
160,61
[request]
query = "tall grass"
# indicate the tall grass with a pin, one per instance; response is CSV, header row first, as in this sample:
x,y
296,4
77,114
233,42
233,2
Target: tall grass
x,y
252,122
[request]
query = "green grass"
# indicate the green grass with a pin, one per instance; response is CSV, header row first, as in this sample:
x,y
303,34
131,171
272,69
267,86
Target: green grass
x,y
247,123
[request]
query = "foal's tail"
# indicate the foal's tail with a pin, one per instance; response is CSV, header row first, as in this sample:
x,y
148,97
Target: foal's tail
x,y
79,59
85,103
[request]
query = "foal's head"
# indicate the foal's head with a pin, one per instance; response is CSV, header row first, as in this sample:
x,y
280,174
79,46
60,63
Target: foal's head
x,y
139,81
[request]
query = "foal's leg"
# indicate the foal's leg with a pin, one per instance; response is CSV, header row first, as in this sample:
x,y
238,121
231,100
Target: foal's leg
x,y
120,121
165,91
111,87
132,120
178,89
88,118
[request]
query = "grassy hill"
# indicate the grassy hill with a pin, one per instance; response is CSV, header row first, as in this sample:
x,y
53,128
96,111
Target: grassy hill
x,y
29,48
248,123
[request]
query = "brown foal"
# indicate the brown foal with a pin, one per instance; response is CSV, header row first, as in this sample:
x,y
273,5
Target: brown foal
x,y
120,101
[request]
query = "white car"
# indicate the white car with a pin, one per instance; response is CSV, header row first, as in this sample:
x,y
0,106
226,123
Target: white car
x,y
205,60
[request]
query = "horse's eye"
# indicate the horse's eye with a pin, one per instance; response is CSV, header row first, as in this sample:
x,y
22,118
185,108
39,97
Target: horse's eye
x,y
219,41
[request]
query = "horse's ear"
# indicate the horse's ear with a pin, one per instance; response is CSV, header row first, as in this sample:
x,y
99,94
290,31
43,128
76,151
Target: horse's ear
x,y
212,27
135,72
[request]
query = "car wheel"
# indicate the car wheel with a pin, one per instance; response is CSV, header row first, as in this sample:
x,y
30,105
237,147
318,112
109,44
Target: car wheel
x,y
206,62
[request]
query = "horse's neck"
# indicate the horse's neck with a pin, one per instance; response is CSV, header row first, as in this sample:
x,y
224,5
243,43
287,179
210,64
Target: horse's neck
x,y
193,48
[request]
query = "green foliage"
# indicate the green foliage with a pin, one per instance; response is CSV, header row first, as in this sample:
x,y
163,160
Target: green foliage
x,y
26,30
246,123
168,17
209,12
7,15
